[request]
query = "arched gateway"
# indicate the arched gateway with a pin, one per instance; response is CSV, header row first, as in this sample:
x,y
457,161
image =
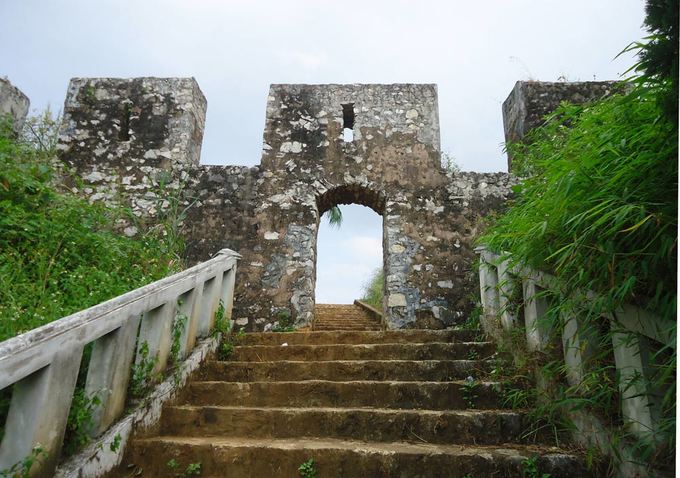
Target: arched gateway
x,y
138,140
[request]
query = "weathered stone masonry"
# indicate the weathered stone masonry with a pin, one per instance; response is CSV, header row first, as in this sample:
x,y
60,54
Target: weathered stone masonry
x,y
127,136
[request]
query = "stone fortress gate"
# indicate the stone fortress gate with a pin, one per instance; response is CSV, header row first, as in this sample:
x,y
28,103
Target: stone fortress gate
x,y
137,142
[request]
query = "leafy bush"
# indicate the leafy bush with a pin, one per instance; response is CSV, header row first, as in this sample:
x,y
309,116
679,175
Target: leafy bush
x,y
373,289
58,253
598,209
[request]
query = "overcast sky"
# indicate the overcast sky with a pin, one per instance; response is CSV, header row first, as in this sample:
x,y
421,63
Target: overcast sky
x,y
474,51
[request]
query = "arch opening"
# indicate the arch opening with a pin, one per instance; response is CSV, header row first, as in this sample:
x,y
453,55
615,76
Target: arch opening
x,y
351,194
350,259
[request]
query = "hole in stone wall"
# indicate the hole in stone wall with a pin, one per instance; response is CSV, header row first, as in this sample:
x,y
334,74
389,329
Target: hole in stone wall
x,y
348,122
124,133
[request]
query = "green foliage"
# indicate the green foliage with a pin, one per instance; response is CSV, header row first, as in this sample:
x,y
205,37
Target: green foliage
x,y
22,469
334,216
449,163
142,377
374,289
80,421
659,52
308,469
472,322
192,469
470,391
598,210
178,326
115,444
41,132
284,322
222,324
530,469
225,351
58,253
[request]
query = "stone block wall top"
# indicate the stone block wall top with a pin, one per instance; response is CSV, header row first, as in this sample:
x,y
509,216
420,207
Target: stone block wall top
x,y
530,101
312,123
13,103
129,134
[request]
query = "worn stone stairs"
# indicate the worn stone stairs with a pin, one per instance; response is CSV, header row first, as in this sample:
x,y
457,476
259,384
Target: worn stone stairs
x,y
343,317
359,403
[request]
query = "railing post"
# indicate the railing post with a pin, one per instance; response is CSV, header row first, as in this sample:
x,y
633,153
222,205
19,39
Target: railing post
x,y
39,411
580,344
506,287
156,332
488,287
109,371
210,303
228,281
632,355
189,305
535,307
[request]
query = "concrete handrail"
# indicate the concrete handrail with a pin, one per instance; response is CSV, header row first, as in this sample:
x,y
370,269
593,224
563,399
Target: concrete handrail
x,y
632,329
42,365
377,315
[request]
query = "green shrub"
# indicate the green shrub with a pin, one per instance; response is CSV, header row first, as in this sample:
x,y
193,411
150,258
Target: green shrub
x,y
373,289
58,253
598,209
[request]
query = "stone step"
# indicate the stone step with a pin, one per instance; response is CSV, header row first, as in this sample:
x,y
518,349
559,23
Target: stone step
x,y
425,351
352,337
247,457
349,321
345,328
324,393
344,370
483,427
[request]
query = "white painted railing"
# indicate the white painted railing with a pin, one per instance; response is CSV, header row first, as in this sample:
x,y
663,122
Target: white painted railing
x,y
633,331
42,365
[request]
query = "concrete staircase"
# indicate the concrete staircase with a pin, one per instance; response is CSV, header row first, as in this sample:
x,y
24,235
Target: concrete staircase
x,y
359,403
343,317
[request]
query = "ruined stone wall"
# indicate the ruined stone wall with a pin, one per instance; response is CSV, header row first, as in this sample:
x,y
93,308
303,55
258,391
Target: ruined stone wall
x,y
126,137
133,141
13,103
530,102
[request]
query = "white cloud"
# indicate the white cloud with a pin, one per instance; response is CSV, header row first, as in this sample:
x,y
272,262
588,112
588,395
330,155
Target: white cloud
x,y
303,59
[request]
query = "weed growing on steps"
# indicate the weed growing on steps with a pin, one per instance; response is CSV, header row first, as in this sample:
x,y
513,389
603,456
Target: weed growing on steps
x,y
225,351
284,322
470,391
192,469
472,322
229,343
222,325
530,469
308,469
115,444
22,469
